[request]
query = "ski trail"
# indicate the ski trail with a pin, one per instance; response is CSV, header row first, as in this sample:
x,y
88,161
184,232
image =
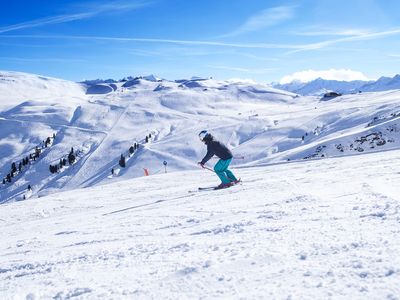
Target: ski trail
x,y
77,175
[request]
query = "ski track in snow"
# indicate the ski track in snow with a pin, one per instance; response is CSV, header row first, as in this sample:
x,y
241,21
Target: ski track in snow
x,y
326,229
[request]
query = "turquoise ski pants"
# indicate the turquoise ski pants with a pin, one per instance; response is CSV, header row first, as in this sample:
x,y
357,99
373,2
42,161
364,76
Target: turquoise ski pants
x,y
221,168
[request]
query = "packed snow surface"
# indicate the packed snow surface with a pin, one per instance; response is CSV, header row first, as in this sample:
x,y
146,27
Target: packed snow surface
x,y
324,229
316,217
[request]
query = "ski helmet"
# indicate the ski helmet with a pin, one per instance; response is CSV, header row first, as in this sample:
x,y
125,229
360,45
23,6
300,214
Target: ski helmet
x,y
203,134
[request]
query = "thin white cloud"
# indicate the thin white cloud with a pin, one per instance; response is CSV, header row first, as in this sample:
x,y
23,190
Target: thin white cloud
x,y
112,6
147,53
359,37
244,70
293,47
96,10
22,59
264,19
46,21
161,41
332,74
333,32
257,57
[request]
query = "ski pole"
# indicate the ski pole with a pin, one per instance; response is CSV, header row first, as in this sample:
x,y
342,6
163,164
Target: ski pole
x,y
209,169
205,167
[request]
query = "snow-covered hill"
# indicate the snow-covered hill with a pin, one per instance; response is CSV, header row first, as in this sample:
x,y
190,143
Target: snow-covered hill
x,y
325,229
17,87
261,124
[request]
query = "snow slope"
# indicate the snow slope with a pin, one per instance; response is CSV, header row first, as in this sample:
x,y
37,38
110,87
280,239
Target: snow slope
x,y
261,124
316,216
102,127
17,87
325,229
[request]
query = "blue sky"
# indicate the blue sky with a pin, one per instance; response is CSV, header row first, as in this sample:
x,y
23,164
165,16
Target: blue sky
x,y
260,40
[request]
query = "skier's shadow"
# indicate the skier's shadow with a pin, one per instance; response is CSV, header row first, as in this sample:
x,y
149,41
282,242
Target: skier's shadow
x,y
144,205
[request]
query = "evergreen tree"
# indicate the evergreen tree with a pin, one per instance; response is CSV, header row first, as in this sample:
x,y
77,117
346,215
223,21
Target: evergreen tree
x,y
131,150
147,139
122,161
71,157
8,177
13,167
29,187
37,152
61,163
20,167
47,142
4,181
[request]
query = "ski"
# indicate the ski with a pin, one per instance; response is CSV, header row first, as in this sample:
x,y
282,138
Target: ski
x,y
214,188
206,188
202,189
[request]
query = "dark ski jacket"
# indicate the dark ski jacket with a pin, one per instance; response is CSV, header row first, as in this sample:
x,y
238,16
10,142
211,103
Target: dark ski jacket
x,y
218,149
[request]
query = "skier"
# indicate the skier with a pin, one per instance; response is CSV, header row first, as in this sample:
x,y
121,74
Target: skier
x,y
215,147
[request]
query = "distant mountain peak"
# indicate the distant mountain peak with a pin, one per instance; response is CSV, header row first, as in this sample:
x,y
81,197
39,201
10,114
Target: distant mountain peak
x,y
319,86
151,77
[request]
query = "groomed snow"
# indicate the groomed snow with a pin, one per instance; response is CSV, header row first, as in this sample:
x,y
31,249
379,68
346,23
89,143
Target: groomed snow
x,y
317,215
325,229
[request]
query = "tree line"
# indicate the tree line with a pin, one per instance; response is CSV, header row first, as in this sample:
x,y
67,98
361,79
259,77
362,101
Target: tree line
x,y
25,162
132,149
70,157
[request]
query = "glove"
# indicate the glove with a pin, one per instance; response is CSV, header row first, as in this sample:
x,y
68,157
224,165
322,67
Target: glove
x,y
200,164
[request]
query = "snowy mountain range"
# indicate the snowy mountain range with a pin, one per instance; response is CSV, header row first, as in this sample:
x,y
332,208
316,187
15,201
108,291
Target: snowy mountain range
x,y
315,216
321,86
